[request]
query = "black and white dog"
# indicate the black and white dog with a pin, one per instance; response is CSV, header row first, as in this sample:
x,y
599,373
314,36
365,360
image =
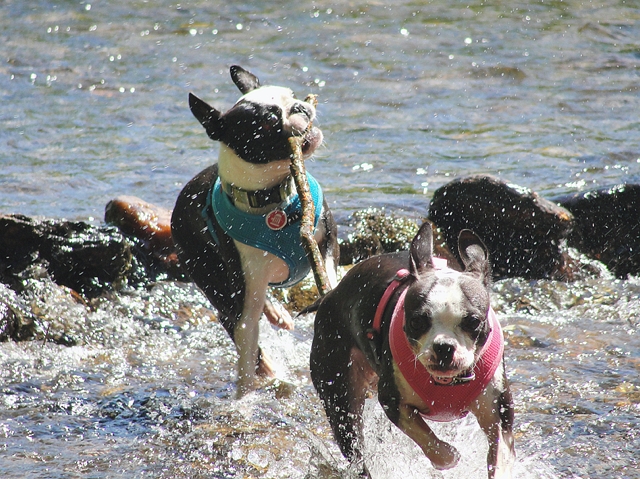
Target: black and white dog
x,y
426,335
237,223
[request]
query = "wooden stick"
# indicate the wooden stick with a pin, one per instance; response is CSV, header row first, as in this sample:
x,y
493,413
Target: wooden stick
x,y
309,243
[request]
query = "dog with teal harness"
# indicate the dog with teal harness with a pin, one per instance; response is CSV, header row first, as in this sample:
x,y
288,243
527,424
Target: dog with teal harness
x,y
236,224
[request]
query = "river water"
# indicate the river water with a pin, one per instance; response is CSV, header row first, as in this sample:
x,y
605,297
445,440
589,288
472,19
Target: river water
x,y
412,94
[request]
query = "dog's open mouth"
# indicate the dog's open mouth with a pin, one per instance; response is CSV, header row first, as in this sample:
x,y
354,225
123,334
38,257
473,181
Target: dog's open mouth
x,y
452,377
442,380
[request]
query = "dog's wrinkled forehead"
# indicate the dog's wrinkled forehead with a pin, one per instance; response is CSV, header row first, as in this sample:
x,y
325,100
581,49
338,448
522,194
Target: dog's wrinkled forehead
x,y
456,293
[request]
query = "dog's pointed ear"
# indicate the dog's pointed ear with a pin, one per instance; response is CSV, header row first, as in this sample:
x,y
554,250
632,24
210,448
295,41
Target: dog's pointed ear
x,y
422,249
208,116
244,80
474,254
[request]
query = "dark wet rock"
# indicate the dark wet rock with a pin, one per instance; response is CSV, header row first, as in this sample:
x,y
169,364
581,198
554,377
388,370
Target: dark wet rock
x,y
86,258
149,228
607,226
16,321
525,233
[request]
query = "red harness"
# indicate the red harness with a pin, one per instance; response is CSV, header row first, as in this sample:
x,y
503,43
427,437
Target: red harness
x,y
446,402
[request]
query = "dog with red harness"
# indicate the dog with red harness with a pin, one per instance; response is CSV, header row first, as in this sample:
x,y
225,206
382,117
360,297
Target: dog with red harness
x,y
425,335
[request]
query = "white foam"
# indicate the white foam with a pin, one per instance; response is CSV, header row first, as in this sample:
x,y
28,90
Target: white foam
x,y
389,453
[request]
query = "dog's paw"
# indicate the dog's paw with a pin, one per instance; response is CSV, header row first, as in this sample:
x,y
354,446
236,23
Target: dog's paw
x,y
265,368
445,457
277,315
281,389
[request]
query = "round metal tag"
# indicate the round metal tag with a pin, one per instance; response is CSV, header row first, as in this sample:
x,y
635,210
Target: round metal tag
x,y
276,220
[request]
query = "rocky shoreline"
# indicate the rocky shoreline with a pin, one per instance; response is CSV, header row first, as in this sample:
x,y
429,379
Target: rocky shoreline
x,y
566,239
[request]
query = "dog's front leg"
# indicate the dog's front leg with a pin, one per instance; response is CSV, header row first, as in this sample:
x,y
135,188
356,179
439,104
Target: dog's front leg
x,y
494,411
441,454
246,336
258,271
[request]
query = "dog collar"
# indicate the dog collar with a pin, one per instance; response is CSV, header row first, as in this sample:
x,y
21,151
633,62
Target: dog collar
x,y
277,194
445,402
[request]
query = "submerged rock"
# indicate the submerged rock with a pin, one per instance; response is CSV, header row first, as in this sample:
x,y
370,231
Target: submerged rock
x,y
375,231
607,226
525,234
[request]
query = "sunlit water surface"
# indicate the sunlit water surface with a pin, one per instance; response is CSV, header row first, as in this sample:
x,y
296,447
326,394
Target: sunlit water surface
x,y
412,94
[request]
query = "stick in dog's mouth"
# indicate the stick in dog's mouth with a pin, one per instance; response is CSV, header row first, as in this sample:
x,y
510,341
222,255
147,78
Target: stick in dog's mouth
x,y
298,171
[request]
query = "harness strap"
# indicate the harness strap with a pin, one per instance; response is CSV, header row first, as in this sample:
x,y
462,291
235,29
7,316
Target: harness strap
x,y
382,305
252,229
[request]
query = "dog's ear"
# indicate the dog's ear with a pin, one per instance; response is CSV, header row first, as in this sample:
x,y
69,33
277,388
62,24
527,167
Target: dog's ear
x,y
474,254
244,80
208,116
422,249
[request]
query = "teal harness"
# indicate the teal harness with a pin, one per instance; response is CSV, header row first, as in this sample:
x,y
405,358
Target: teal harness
x,y
252,229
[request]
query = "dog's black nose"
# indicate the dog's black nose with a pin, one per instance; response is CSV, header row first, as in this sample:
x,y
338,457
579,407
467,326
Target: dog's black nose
x,y
302,109
444,353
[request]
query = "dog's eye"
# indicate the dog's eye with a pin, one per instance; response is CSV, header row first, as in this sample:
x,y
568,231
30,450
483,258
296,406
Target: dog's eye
x,y
471,323
417,324
272,115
